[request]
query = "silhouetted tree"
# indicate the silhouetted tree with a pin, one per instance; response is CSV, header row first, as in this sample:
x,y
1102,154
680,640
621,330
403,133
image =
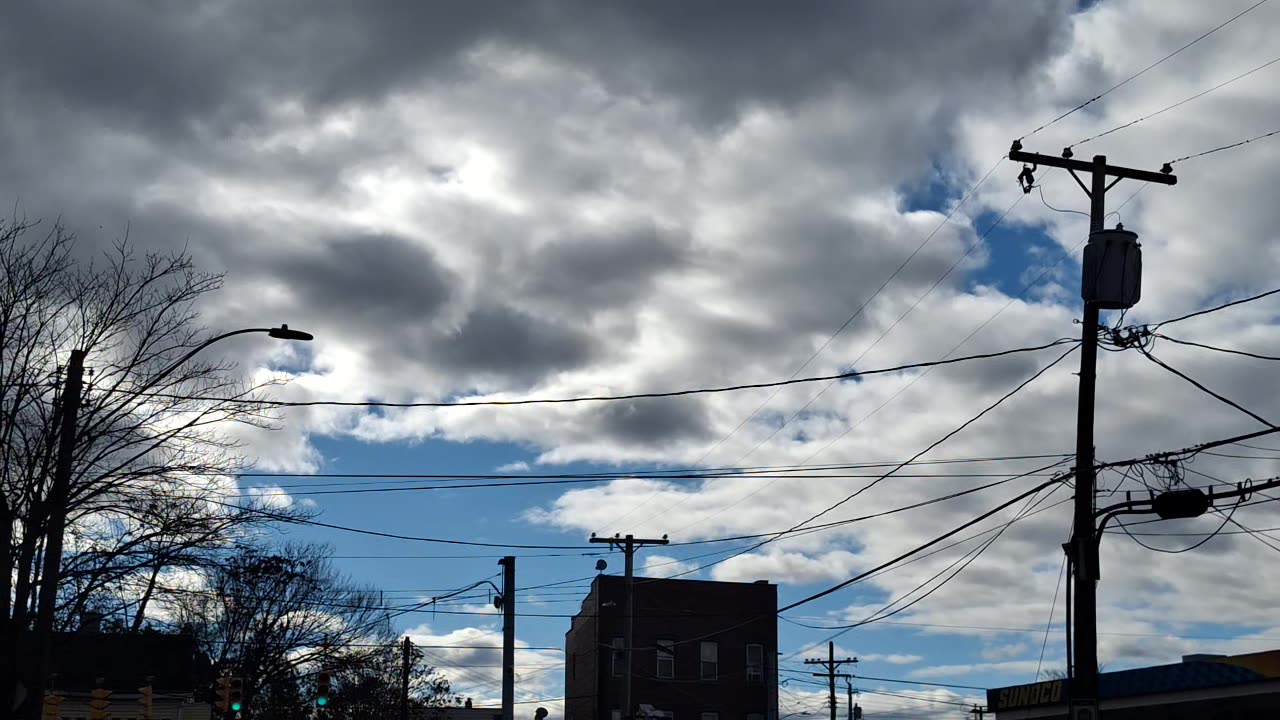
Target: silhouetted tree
x,y
152,464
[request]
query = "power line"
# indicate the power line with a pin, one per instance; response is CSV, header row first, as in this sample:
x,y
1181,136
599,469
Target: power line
x,y
1180,103
595,398
1216,308
1223,147
865,303
1230,351
921,548
890,472
1205,389
1141,72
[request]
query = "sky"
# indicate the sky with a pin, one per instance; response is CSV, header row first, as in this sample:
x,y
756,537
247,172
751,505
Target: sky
x,y
497,201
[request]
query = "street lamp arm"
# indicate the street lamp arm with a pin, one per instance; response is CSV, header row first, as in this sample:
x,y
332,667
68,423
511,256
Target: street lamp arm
x,y
283,333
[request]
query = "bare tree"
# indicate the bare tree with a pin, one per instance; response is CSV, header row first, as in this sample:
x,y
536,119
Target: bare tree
x,y
275,615
153,473
369,685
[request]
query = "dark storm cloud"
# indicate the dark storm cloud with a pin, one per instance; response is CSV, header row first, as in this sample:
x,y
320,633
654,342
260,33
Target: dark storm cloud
x,y
650,424
497,340
173,66
603,270
362,279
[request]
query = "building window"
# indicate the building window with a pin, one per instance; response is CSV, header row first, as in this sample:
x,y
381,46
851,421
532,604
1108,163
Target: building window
x,y
710,716
710,661
666,659
618,657
755,663
616,715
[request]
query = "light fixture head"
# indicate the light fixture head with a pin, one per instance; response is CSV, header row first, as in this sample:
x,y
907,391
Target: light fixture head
x,y
285,333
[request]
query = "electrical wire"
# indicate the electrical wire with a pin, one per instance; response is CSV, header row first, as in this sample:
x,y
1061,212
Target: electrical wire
x,y
1060,210
1189,548
594,398
918,549
963,562
1052,606
1216,308
1141,72
857,313
1203,388
1180,103
1231,351
1223,147
850,366
917,456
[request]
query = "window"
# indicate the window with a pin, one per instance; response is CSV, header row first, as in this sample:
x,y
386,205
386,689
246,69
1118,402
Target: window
x,y
666,650
710,716
616,715
755,663
618,657
710,661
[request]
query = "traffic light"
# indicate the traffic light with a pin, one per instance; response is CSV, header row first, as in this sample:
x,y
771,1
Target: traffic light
x,y
147,697
235,694
322,689
52,707
224,693
99,704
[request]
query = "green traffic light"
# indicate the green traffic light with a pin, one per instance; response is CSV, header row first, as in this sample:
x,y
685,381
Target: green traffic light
x,y
235,706
322,701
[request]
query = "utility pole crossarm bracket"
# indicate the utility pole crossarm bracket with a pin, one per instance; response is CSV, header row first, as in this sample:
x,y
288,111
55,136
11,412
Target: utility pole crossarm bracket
x,y
1016,154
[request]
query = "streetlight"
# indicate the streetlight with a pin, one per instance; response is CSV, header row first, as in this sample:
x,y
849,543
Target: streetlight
x,y
60,489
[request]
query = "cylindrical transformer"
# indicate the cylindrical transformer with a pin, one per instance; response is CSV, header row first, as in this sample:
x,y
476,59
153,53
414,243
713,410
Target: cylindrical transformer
x,y
1112,269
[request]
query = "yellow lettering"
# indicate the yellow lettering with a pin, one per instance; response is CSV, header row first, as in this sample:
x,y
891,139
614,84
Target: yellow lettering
x,y
1057,691
1004,697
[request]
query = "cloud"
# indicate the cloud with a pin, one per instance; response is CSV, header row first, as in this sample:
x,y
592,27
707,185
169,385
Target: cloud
x,y
560,199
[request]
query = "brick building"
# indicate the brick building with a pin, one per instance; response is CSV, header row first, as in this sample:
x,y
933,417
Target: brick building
x,y
703,651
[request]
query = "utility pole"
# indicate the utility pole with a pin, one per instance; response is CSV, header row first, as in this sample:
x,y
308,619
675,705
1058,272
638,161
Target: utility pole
x,y
855,712
508,564
978,712
628,545
831,663
406,663
1105,285
59,493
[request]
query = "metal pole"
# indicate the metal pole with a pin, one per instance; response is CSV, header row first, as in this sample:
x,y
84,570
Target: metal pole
x,y
1084,684
508,637
848,686
628,627
404,679
59,494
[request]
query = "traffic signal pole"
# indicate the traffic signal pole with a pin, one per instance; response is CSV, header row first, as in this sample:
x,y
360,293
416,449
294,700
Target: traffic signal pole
x,y
1084,549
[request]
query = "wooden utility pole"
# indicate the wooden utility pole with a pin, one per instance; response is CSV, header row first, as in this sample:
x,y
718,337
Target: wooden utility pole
x,y
1084,548
831,663
508,637
628,545
59,494
406,661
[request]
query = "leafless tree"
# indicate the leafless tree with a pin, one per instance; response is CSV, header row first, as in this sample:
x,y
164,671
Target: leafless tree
x,y
153,474
275,616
